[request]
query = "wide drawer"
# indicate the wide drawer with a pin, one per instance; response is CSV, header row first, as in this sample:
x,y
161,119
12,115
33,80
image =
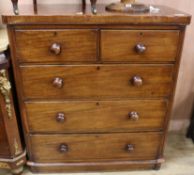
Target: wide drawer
x,y
96,116
139,45
56,45
84,147
97,81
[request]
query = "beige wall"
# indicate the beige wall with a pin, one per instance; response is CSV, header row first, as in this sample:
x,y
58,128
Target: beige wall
x,y
185,89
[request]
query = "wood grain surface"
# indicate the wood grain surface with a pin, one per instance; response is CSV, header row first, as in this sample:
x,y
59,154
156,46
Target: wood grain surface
x,y
75,45
119,45
99,81
46,148
95,116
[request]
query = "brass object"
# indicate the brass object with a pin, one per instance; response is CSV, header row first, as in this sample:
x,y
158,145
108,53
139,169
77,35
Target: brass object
x,y
4,165
16,146
128,6
5,88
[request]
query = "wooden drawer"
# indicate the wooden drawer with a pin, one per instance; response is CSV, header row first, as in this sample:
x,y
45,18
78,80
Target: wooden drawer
x,y
96,116
139,45
84,147
56,45
96,81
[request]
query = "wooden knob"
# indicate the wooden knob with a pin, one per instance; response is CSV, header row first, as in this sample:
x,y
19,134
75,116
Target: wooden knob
x,y
140,48
58,82
63,148
134,116
137,81
55,48
60,117
130,148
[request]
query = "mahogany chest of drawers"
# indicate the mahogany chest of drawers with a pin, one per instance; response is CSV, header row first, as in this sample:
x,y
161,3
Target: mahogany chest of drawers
x,y
95,91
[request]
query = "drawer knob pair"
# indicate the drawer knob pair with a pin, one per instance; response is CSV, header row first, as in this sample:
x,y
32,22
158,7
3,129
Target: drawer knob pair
x,y
63,148
136,81
134,116
140,48
55,48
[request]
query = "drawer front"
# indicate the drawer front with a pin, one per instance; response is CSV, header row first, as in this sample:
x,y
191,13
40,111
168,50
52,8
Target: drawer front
x,y
83,147
96,116
139,45
58,82
56,45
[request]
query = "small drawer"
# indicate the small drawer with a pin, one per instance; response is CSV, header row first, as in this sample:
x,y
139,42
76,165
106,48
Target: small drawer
x,y
56,45
96,81
139,45
99,147
96,116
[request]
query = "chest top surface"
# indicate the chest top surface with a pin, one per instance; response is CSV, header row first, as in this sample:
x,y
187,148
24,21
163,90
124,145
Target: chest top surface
x,y
75,14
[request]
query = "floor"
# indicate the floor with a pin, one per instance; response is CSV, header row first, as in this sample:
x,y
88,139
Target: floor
x,y
179,154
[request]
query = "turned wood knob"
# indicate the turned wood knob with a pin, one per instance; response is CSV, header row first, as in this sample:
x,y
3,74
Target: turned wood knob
x,y
60,117
140,48
137,81
134,116
130,148
55,48
58,82
63,148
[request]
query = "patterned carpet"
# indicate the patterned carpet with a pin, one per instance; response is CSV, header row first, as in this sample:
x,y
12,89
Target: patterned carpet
x,y
179,154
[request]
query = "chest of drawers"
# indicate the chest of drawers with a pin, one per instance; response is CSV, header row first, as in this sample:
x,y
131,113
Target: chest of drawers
x,y
95,91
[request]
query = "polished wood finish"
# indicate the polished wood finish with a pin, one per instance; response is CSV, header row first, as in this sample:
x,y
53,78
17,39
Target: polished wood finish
x,y
102,102
139,45
95,116
93,166
96,81
70,14
95,147
61,46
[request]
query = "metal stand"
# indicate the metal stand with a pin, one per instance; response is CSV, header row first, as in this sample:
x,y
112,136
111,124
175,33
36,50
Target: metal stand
x,y
15,6
93,6
16,10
